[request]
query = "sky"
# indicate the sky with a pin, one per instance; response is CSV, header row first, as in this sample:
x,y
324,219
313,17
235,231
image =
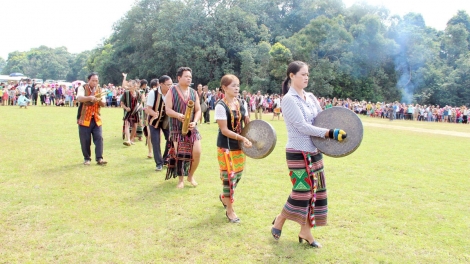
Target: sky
x,y
436,13
81,25
78,25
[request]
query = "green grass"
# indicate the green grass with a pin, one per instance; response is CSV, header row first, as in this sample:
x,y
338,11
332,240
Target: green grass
x,y
402,197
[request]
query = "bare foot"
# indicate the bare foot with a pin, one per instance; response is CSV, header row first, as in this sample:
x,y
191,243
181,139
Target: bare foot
x,y
180,185
192,181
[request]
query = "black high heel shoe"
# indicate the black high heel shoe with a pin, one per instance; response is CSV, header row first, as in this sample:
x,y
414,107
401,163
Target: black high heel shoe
x,y
314,244
234,220
276,232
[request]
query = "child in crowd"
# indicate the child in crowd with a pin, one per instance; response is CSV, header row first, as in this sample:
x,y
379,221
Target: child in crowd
x,y
60,102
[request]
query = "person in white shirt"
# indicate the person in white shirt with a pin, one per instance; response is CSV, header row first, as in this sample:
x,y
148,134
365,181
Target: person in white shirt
x,y
276,107
157,120
231,115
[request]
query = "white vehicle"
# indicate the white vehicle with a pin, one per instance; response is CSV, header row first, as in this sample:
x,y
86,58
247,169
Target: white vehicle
x,y
50,81
37,81
12,79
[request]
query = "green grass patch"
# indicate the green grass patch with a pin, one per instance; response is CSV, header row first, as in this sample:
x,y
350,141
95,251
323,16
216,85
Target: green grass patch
x,y
402,197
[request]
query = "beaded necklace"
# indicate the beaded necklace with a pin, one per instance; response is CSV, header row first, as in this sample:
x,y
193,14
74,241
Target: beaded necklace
x,y
236,128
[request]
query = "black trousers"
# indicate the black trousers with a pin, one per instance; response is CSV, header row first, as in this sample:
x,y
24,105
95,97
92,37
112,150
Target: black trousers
x,y
157,151
85,134
34,97
207,116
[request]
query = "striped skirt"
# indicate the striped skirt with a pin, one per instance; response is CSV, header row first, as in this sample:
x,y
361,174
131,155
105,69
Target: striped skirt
x,y
179,161
231,164
307,202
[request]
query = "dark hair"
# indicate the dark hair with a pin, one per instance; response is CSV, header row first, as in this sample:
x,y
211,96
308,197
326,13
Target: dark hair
x,y
180,71
164,78
226,80
92,74
153,83
294,67
143,82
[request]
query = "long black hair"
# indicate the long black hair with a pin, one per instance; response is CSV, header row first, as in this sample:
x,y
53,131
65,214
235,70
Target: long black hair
x,y
293,67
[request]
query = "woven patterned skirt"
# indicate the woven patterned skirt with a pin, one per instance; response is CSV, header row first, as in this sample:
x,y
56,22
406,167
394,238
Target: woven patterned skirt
x,y
179,162
231,164
307,202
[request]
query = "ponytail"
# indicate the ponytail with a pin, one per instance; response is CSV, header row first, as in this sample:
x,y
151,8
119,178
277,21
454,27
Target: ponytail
x,y
285,86
293,67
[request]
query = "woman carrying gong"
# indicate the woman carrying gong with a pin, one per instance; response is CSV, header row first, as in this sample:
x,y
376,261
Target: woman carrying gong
x,y
307,203
231,115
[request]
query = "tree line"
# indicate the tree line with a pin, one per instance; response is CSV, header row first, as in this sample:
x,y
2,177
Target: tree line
x,y
361,52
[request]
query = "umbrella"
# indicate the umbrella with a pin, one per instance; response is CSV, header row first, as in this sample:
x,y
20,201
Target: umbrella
x,y
16,74
77,83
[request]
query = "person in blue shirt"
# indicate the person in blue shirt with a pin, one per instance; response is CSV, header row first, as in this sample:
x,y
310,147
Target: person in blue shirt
x,y
23,101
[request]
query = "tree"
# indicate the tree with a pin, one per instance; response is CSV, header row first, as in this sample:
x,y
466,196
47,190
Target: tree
x,y
3,63
280,58
321,44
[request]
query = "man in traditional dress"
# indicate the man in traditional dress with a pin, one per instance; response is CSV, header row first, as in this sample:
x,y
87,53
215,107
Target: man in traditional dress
x,y
185,156
157,119
89,119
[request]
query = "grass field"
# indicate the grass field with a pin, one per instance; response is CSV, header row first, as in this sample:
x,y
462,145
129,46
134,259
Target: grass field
x,y
402,197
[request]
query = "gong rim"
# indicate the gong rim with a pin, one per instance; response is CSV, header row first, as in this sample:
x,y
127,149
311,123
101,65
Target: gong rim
x,y
262,136
341,118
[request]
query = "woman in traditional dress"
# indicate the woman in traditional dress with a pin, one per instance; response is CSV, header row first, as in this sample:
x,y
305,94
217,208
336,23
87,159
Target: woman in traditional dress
x,y
131,102
307,203
231,115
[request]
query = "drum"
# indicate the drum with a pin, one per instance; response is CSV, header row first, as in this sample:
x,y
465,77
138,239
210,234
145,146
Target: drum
x,y
262,136
341,118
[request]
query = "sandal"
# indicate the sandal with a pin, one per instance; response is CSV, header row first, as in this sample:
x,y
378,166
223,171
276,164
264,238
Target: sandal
x,y
314,244
235,220
275,232
126,143
220,198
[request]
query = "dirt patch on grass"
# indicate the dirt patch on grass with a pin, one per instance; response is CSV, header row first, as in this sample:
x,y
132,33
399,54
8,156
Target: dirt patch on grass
x,y
421,130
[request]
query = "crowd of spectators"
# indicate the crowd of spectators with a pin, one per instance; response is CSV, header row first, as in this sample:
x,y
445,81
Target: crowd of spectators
x,y
63,95
413,112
